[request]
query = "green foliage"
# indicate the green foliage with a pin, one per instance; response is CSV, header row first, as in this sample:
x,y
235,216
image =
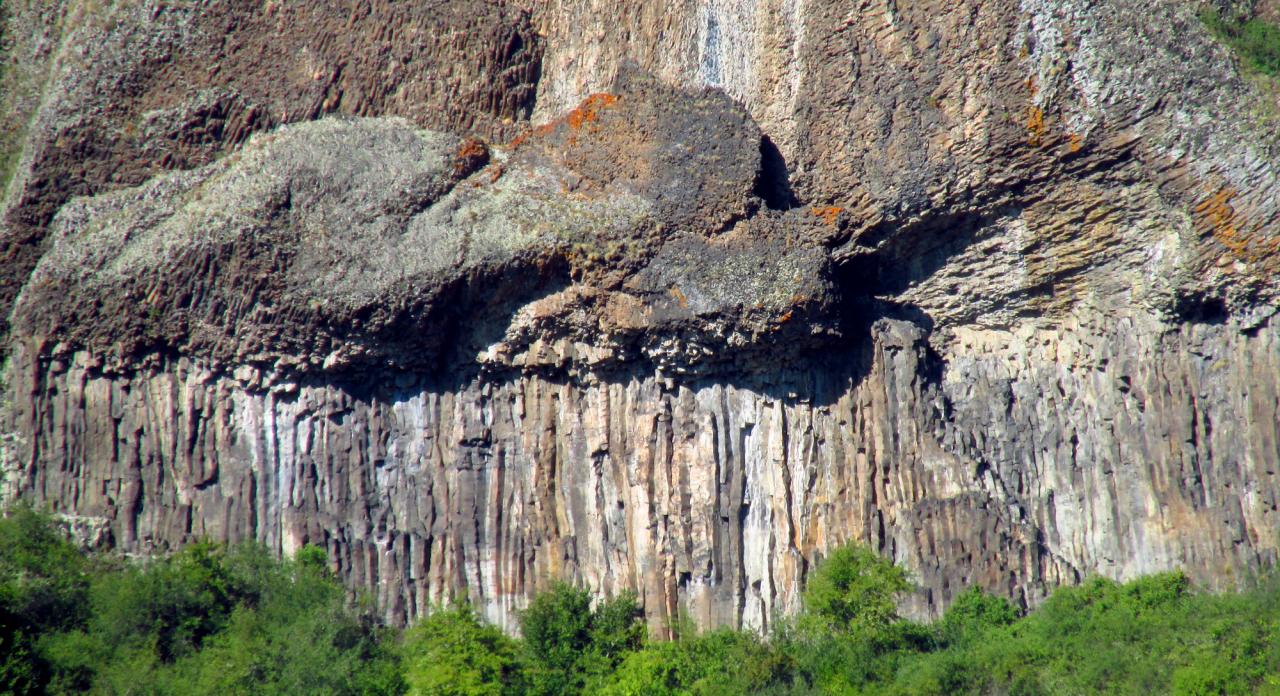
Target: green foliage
x,y
972,613
450,653
42,575
568,644
207,620
43,586
299,636
216,620
1152,635
854,592
1257,42
557,631
718,663
174,604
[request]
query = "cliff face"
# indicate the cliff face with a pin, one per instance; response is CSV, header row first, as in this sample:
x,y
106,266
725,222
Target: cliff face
x,y
990,286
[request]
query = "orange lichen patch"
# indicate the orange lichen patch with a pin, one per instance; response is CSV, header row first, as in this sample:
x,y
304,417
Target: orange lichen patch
x,y
589,110
472,147
493,173
519,140
586,113
1248,248
538,132
829,214
684,301
1036,128
1217,212
471,155
785,317
1074,142
1218,217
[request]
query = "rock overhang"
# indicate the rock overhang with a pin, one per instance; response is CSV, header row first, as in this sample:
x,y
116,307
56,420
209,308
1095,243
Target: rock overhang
x,y
367,243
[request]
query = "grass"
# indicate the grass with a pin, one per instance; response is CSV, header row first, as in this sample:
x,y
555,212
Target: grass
x,y
1256,42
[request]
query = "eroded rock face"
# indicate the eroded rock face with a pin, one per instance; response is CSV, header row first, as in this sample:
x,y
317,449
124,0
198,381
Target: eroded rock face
x,y
368,244
1015,461
990,286
129,90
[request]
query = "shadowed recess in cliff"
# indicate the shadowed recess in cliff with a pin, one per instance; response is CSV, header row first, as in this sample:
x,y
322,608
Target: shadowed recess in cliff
x,y
773,182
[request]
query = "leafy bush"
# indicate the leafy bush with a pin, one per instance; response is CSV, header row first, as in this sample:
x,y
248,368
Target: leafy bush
x,y
854,592
568,644
718,663
208,619
451,653
297,635
1152,635
43,586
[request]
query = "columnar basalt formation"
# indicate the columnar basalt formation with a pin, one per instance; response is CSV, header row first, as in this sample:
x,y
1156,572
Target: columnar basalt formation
x,y
990,286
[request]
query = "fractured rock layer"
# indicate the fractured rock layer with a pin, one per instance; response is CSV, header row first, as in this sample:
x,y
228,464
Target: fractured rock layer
x,y
141,88
1025,461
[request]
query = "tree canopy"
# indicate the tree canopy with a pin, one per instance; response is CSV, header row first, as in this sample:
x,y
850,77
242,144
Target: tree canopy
x,y
216,619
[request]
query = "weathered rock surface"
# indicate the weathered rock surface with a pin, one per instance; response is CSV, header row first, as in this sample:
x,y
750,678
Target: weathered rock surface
x,y
128,90
990,286
357,244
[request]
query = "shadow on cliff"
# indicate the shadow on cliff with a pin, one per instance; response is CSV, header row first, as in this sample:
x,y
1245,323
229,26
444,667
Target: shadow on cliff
x,y
889,259
819,376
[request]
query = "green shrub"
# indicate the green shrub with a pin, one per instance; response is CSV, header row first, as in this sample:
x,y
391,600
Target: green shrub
x,y
450,653
299,635
234,620
170,606
1152,635
854,592
206,620
568,644
972,614
43,576
44,587
717,663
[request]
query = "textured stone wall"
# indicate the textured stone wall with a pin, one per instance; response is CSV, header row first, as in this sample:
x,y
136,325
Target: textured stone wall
x,y
1017,460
